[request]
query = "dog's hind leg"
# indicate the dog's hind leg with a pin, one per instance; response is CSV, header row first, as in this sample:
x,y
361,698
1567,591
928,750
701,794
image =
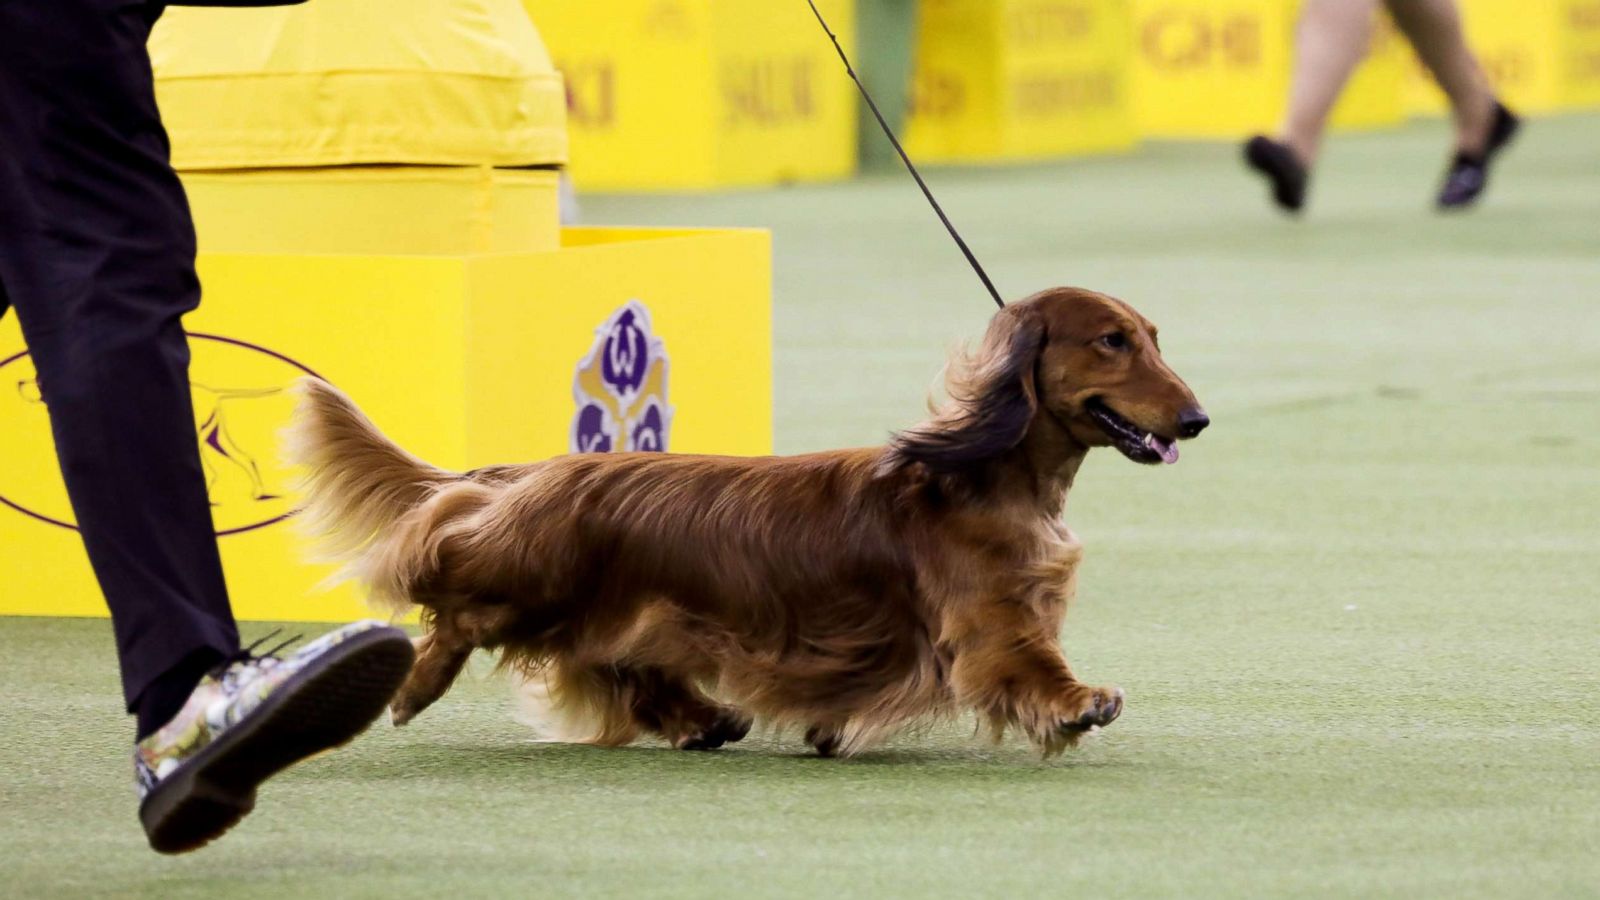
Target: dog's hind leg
x,y
680,713
440,658
824,739
456,628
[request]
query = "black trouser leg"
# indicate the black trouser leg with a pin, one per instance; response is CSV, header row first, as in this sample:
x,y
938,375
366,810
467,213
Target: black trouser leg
x,y
97,255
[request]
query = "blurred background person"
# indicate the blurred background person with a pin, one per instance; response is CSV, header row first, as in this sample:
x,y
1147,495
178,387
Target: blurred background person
x,y
1331,39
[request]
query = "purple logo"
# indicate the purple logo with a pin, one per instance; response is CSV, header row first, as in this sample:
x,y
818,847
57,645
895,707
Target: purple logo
x,y
241,402
620,387
650,429
626,355
593,430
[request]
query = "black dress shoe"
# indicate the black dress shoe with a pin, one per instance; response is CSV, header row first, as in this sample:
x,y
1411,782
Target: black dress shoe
x,y
1469,174
1282,168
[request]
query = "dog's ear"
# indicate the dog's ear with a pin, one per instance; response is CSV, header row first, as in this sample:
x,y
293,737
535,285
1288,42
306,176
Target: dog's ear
x,y
993,398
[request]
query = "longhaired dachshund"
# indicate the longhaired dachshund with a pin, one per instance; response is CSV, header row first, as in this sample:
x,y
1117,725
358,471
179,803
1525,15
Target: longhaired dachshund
x,y
846,593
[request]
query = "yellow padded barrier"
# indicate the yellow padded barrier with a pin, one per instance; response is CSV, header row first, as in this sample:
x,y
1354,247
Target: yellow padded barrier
x,y
1021,79
465,360
335,82
694,94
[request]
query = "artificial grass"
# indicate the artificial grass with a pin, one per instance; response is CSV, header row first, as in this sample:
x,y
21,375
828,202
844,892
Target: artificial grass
x,y
1357,623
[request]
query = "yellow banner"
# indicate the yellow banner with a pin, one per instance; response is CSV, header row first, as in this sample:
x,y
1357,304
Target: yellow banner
x,y
1521,44
1021,79
1221,68
1580,54
683,94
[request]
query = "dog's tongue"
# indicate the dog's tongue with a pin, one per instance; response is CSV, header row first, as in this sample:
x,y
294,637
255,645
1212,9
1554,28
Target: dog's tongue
x,y
1167,449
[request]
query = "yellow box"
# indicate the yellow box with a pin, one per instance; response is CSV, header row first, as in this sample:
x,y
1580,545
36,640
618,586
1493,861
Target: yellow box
x,y
696,94
376,210
1221,69
465,360
1021,79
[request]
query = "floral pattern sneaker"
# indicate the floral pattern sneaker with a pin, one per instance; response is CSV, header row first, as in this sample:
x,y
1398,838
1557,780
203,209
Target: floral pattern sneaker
x,y
255,715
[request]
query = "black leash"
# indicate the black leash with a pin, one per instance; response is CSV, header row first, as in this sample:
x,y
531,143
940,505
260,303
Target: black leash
x,y
910,167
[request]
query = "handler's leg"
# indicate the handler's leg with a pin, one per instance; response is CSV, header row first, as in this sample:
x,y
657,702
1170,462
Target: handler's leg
x,y
1330,40
1434,28
1483,125
97,253
101,269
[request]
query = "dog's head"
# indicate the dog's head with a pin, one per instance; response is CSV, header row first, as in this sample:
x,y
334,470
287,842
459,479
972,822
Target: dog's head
x,y
1089,361
1100,373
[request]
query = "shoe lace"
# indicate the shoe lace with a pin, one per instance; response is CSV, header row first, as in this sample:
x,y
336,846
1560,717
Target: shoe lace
x,y
247,658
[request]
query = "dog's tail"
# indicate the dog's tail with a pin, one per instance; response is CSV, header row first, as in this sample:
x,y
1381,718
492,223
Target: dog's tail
x,y
356,486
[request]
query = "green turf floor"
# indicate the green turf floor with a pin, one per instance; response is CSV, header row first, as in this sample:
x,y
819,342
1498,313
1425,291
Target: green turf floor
x,y
1358,624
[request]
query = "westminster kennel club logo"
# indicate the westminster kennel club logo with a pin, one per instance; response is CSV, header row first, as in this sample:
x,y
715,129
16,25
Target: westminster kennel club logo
x,y
241,401
621,387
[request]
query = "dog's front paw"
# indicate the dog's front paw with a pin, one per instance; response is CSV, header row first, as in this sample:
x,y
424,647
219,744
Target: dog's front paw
x,y
1075,714
402,711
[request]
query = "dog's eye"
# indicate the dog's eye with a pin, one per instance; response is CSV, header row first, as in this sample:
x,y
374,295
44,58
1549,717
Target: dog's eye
x,y
1116,340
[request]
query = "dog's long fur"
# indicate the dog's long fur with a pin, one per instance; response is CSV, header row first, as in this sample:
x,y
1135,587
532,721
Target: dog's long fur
x,y
847,592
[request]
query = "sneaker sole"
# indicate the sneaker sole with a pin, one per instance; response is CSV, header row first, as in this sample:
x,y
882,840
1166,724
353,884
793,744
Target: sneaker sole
x,y
326,705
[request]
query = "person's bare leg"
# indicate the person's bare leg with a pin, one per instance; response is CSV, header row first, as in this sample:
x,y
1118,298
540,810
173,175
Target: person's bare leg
x,y
1331,38
1434,28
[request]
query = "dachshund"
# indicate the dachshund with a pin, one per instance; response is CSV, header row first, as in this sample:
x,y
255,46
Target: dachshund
x,y
847,593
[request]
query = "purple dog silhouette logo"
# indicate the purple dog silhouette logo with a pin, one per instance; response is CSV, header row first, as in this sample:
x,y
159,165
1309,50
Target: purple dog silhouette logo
x,y
621,387
241,401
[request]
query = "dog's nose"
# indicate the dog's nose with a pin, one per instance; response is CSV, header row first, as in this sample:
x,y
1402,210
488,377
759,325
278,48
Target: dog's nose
x,y
1192,421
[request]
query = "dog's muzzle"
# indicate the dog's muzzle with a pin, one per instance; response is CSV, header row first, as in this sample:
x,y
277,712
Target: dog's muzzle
x,y
1133,442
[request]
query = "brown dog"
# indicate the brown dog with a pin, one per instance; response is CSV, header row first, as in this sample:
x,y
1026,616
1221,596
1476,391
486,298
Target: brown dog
x,y
846,592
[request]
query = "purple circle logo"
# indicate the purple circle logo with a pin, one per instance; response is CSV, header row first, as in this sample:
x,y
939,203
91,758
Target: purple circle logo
x,y
620,387
241,402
